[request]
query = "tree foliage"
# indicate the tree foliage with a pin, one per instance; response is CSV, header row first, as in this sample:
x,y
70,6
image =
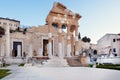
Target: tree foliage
x,y
86,39
79,36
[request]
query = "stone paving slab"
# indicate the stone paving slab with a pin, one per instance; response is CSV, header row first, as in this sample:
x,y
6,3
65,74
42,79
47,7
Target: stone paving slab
x,y
63,73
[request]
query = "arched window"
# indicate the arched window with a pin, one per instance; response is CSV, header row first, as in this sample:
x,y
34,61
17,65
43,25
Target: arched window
x,y
64,28
55,25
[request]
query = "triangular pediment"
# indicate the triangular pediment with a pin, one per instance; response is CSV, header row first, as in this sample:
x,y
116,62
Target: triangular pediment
x,y
61,12
58,8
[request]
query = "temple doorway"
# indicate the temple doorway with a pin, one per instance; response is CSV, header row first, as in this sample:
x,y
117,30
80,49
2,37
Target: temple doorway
x,y
17,49
45,47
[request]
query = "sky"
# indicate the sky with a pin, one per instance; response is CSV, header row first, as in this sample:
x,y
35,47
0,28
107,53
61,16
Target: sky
x,y
98,16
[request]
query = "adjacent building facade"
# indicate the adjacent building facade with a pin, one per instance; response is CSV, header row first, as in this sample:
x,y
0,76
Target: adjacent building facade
x,y
13,24
109,43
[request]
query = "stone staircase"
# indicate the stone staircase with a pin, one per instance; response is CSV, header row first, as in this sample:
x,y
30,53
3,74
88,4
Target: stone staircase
x,y
74,61
28,64
56,62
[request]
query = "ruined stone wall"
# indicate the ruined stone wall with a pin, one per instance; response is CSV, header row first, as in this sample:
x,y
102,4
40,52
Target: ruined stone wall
x,y
83,45
20,37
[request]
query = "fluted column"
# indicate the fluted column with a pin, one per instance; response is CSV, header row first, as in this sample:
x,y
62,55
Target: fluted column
x,y
19,51
76,41
30,51
7,41
72,44
68,42
2,50
60,42
50,39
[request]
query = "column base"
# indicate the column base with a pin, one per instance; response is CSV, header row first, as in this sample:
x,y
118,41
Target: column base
x,y
19,56
76,52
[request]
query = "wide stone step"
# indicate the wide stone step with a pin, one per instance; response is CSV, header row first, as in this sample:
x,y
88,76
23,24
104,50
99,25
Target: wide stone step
x,y
28,64
56,62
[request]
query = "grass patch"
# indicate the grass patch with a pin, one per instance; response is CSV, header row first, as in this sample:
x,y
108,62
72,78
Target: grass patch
x,y
4,72
22,64
7,65
90,65
109,66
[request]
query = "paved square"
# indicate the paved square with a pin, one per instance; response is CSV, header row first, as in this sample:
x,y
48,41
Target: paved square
x,y
62,73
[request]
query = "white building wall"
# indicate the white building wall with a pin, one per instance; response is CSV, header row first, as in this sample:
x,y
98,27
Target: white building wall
x,y
106,43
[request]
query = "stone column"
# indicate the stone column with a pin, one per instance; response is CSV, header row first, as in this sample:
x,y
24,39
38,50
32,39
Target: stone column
x,y
50,39
7,41
40,53
2,50
60,41
72,43
30,51
19,51
76,41
68,42
63,46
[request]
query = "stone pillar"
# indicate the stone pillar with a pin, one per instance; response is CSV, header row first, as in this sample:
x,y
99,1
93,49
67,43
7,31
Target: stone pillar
x,y
76,41
2,50
63,46
19,51
50,39
39,52
7,41
68,42
60,42
72,44
30,51
29,54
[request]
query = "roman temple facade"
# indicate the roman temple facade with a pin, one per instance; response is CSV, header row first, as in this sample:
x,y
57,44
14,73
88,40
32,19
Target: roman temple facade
x,y
58,37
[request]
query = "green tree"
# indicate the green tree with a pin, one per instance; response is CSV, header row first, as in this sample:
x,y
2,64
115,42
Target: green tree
x,y
84,39
88,40
79,36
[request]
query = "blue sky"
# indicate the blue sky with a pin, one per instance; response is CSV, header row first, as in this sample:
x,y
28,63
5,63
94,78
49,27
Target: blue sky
x,y
98,16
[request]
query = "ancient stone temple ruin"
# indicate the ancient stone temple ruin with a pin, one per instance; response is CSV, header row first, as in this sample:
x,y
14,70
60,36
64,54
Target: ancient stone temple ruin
x,y
58,37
